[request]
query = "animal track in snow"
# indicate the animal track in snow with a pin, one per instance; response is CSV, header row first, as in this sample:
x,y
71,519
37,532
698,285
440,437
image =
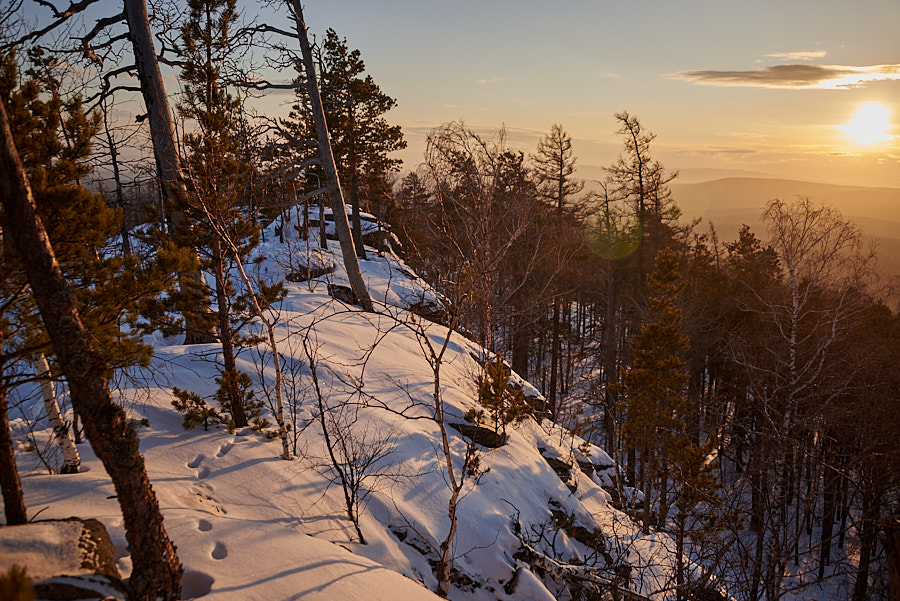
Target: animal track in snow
x,y
203,473
196,584
208,503
196,461
220,551
204,526
223,450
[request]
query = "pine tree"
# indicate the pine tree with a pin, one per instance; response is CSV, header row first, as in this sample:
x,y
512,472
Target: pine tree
x,y
644,183
554,166
504,401
212,208
361,137
654,384
157,570
116,293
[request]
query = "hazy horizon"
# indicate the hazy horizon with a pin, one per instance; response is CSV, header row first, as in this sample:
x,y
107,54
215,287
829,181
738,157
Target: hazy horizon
x,y
767,88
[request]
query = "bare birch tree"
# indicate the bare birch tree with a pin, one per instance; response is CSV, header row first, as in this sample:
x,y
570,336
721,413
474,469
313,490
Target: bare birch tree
x,y
71,458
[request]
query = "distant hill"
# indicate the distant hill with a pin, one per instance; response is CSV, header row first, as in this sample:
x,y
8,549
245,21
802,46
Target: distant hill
x,y
730,202
690,175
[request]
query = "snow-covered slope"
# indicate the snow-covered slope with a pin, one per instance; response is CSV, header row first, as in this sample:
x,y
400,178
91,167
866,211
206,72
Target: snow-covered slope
x,y
249,525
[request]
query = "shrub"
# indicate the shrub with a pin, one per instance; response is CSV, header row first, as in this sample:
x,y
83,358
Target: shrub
x,y
504,401
15,585
195,410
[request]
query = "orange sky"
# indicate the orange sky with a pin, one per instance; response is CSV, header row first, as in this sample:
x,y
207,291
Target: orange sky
x,y
760,87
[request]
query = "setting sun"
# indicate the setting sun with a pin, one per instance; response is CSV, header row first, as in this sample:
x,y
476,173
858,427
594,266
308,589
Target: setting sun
x,y
870,124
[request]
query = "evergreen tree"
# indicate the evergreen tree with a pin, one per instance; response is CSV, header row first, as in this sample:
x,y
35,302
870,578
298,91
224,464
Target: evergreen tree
x,y
504,401
157,571
213,207
554,166
644,183
361,137
117,293
654,386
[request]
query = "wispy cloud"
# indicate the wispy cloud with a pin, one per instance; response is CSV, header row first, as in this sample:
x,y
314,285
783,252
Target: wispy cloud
x,y
804,55
487,80
796,76
718,151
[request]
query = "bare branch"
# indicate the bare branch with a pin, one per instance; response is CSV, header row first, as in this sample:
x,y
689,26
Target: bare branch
x,y
101,24
60,18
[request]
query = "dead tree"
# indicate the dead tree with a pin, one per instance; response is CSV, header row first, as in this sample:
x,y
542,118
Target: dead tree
x,y
332,181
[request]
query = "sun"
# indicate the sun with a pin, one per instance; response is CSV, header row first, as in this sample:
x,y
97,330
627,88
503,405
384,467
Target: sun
x,y
870,124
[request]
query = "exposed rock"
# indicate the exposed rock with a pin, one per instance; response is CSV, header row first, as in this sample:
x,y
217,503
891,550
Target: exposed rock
x,y
562,468
66,559
75,588
343,294
309,273
431,310
480,435
586,467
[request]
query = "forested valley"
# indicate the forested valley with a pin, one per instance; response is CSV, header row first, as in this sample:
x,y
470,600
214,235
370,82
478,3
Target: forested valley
x,y
746,391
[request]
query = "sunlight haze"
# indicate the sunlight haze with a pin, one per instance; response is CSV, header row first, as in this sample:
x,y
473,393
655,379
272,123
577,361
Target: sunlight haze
x,y
740,87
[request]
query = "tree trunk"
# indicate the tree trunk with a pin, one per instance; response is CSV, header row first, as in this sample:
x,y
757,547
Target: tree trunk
x,y
162,137
829,496
680,530
323,236
71,459
647,462
276,361
332,181
11,486
663,513
162,129
521,341
610,354
229,374
354,205
117,178
890,530
757,517
552,397
868,539
157,571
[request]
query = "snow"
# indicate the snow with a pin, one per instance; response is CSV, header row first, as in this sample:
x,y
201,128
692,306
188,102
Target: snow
x,y
46,548
249,525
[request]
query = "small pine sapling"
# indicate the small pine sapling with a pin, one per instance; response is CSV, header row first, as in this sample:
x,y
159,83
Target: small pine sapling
x,y
505,402
240,381
15,585
195,410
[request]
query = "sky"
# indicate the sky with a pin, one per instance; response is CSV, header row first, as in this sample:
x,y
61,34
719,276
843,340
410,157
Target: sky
x,y
763,88
798,89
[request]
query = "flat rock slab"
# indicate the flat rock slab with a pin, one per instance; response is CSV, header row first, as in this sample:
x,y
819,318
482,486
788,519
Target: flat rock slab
x,y
77,550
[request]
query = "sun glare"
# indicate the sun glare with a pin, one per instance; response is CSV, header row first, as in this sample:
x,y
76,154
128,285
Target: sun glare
x,y
871,124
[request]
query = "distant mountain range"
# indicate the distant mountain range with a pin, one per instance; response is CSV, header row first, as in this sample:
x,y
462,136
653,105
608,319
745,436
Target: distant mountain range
x,y
730,202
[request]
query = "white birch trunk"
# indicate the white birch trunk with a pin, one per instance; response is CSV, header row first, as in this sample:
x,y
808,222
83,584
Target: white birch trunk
x,y
71,458
276,359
